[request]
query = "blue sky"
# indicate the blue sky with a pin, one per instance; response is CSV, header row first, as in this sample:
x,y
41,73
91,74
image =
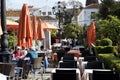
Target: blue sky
x,y
17,4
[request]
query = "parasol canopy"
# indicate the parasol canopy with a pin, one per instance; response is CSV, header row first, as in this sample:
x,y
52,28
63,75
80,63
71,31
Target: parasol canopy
x,y
25,29
91,34
34,28
40,30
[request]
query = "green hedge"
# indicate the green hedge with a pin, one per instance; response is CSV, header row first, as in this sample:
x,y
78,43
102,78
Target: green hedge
x,y
105,49
106,42
110,61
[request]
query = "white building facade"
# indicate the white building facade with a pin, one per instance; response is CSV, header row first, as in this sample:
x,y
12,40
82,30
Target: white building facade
x,y
84,18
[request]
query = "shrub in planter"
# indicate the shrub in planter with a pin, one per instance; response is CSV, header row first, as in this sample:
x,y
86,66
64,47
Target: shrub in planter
x,y
105,49
98,42
98,49
108,49
106,42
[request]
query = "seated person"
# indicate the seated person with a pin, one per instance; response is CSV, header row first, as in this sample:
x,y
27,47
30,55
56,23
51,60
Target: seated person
x,y
32,54
17,54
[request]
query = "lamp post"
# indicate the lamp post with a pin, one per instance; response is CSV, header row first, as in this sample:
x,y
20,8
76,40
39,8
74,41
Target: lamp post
x,y
5,55
59,11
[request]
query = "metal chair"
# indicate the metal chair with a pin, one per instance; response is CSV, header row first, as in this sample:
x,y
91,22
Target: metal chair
x,y
68,64
90,58
105,75
95,65
64,76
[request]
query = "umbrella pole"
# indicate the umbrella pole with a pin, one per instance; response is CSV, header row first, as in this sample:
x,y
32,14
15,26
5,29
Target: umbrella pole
x,y
39,44
34,42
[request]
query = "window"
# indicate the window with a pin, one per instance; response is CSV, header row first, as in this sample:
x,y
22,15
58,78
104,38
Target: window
x,y
49,13
40,12
43,13
92,15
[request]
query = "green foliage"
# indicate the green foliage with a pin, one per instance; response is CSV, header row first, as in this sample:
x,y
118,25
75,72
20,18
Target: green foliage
x,y
104,49
109,7
108,49
72,31
12,39
106,42
98,49
109,29
97,43
53,33
110,61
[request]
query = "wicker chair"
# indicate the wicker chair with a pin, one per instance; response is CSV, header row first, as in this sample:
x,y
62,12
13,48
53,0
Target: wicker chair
x,y
37,64
8,69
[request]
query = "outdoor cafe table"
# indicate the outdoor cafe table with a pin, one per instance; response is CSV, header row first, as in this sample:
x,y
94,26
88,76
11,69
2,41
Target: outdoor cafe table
x,y
87,75
77,72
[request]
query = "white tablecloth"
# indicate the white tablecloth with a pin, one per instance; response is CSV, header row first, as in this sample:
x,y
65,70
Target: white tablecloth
x,y
3,77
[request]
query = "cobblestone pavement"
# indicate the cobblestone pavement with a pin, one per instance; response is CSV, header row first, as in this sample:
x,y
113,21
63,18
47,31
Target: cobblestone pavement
x,y
38,76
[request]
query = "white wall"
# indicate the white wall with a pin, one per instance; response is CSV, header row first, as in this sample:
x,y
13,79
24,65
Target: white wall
x,y
84,16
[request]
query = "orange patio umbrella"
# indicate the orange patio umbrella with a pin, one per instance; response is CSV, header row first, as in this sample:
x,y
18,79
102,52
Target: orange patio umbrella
x,y
40,30
91,34
25,28
49,26
11,25
34,26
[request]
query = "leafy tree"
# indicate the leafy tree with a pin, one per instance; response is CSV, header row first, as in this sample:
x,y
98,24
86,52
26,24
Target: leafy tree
x,y
109,29
105,8
109,7
72,31
116,9
53,33
12,39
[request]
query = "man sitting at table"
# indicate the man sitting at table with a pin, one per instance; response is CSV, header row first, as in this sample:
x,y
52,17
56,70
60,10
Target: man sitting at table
x,y
32,54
